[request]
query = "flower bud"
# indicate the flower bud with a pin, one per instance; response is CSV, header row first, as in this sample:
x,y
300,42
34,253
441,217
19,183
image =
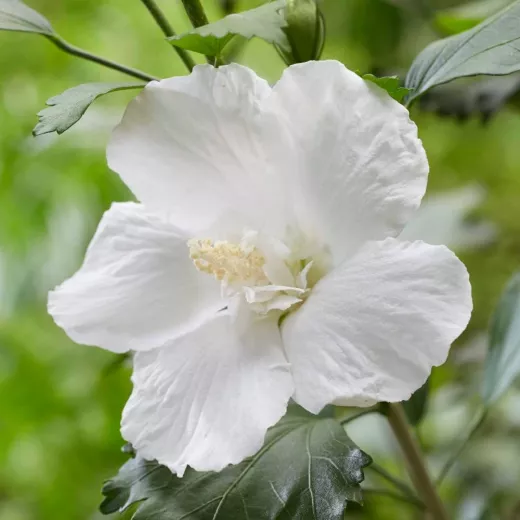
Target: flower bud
x,y
305,31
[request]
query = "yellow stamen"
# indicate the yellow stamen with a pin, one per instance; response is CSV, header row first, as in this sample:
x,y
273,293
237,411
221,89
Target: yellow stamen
x,y
228,262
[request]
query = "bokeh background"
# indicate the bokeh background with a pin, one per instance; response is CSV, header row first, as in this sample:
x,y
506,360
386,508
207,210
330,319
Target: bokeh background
x,y
60,403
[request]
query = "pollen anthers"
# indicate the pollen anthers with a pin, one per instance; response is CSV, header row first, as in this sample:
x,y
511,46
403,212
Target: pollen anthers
x,y
229,262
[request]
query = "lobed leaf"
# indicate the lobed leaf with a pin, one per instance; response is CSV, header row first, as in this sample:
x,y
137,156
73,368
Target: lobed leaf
x,y
392,84
308,468
67,108
502,365
16,16
490,48
265,22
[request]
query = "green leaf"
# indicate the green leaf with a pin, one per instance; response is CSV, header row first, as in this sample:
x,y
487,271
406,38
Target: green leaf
x,y
16,16
466,16
482,97
391,84
416,406
308,468
502,364
305,31
266,22
490,48
67,108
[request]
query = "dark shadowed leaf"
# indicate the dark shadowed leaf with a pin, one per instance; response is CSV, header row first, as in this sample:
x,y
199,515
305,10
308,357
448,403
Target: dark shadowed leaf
x,y
391,84
16,16
416,406
490,48
482,97
265,22
67,108
502,364
376,26
308,469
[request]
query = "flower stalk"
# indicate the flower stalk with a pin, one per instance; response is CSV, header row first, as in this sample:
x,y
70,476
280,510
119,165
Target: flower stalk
x,y
195,12
168,31
451,461
80,53
396,482
198,17
415,462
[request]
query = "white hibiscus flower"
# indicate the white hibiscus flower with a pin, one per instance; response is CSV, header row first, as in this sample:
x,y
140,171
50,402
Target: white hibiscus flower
x,y
260,263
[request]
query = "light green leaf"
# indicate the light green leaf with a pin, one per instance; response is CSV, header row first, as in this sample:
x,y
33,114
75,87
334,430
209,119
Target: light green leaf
x,y
305,31
491,48
308,468
265,22
16,16
502,364
466,16
447,218
67,108
391,84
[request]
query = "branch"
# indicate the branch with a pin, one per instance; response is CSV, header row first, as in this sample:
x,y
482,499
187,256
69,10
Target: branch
x,y
168,31
80,53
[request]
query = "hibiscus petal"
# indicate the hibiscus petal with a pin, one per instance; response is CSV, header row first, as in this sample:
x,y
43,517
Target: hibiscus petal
x,y
374,327
193,146
352,156
137,288
207,399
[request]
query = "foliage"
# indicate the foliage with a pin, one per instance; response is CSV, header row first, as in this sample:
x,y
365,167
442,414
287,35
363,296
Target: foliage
x,y
488,48
265,22
391,84
461,18
67,108
308,468
16,16
481,97
503,360
416,406
305,30
59,433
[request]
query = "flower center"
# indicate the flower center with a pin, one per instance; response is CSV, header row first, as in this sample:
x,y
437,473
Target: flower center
x,y
228,262
260,271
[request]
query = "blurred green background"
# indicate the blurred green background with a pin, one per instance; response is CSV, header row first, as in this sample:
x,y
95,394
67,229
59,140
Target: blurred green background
x,y
60,403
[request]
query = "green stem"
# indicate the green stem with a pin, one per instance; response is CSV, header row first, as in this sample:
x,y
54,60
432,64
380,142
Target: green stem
x,y
80,53
197,17
396,496
195,12
451,461
228,6
403,487
353,417
415,461
168,31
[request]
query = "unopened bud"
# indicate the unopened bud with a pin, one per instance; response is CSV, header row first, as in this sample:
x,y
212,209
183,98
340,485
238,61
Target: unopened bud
x,y
305,31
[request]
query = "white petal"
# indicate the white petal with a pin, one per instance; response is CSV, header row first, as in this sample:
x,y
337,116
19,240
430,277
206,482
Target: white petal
x,y
207,399
193,146
352,153
137,288
373,328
